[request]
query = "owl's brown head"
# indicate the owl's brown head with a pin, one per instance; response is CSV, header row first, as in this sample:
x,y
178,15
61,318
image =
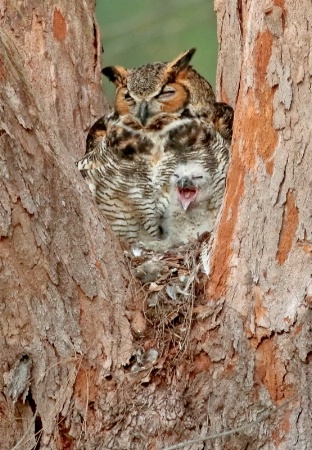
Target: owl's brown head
x,y
158,88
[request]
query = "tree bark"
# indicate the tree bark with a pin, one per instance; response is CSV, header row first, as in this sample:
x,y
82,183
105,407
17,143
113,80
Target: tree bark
x,y
262,262
72,317
62,276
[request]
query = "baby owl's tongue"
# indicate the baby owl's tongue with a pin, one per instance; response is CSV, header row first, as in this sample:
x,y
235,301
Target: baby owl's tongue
x,y
186,196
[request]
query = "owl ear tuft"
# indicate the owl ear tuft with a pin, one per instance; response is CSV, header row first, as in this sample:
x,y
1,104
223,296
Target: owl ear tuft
x,y
181,62
116,74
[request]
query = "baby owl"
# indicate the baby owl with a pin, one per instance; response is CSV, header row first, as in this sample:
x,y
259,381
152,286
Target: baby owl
x,y
196,187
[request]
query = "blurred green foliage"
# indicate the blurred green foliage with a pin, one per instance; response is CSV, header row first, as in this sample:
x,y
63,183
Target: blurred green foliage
x,y
136,32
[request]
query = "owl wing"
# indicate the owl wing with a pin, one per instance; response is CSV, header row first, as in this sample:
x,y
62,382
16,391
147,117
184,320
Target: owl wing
x,y
118,173
93,159
96,133
221,116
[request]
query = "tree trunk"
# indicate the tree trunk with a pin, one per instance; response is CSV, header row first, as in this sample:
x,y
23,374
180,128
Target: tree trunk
x,y
62,279
262,258
74,321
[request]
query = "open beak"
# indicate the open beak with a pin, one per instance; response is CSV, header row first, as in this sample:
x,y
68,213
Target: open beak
x,y
187,191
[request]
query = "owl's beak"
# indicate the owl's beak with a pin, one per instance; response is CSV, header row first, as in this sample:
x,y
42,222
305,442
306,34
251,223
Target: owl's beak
x,y
186,183
143,112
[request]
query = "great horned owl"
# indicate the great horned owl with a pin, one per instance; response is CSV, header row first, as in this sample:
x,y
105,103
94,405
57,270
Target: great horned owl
x,y
165,113
148,95
152,89
156,99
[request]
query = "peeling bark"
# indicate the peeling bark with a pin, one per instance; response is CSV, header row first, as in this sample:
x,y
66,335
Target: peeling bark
x,y
72,315
262,262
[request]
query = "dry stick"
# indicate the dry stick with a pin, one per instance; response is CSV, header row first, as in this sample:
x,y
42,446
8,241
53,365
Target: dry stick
x,y
233,430
21,441
84,427
16,446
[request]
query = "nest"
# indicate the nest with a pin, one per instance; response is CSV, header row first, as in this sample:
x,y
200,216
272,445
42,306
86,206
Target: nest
x,y
174,285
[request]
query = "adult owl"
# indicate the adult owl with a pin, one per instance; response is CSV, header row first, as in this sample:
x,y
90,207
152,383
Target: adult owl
x,y
157,98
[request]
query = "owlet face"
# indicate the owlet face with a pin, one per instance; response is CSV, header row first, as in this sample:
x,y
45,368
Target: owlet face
x,y
152,89
190,184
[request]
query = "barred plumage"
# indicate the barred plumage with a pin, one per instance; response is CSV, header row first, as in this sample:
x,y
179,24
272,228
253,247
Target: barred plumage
x,y
130,173
118,174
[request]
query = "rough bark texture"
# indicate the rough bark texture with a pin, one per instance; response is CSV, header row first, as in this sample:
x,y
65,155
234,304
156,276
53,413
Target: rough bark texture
x,y
61,280
71,316
262,263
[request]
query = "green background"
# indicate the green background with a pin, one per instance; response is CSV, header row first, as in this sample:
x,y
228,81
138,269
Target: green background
x,y
136,32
